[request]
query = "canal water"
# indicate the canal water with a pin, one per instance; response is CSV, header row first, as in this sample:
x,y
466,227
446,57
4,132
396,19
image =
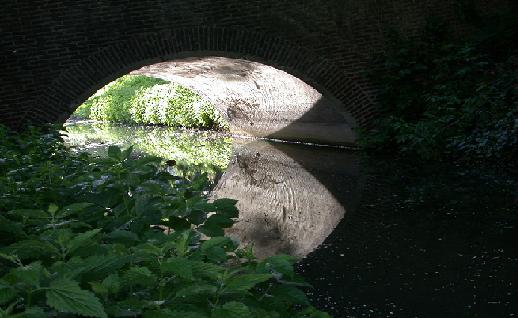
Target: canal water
x,y
374,237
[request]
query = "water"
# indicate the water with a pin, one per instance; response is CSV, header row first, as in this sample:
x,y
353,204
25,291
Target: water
x,y
194,151
376,238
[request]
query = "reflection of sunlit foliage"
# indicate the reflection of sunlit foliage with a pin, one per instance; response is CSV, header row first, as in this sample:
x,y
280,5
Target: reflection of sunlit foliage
x,y
146,100
193,151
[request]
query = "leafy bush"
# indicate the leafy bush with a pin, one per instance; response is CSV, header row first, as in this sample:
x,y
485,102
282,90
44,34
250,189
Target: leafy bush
x,y
114,101
444,98
120,237
146,100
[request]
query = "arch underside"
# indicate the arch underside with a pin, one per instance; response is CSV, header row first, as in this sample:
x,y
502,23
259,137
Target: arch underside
x,y
77,83
259,100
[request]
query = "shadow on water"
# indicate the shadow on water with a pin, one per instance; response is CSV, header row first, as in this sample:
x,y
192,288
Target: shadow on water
x,y
425,241
417,240
290,197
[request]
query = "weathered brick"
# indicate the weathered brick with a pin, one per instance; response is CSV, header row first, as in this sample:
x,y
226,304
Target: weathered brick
x,y
54,52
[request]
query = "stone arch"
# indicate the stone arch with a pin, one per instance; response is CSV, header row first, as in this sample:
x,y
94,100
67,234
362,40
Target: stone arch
x,y
79,82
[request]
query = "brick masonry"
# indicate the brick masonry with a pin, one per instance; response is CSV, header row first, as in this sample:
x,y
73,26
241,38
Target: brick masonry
x,y
54,54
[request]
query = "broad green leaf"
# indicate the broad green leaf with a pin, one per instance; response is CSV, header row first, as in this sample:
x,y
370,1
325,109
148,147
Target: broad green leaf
x,y
282,264
216,255
10,258
52,208
219,241
226,207
30,249
7,292
289,294
30,275
242,283
99,267
127,152
25,214
10,231
147,252
182,242
197,289
98,288
124,237
66,296
178,266
139,275
131,307
114,152
232,309
215,248
92,268
206,270
215,225
32,312
75,208
177,223
59,237
143,204
112,283
82,240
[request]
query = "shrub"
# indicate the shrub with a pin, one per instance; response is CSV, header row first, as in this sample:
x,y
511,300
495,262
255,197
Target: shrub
x,y
443,98
115,101
118,237
146,100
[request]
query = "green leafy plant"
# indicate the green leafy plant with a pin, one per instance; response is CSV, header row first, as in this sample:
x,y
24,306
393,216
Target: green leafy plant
x,y
141,99
116,236
446,98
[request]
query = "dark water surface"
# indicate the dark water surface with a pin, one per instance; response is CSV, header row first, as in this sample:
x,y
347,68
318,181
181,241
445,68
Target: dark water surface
x,y
376,238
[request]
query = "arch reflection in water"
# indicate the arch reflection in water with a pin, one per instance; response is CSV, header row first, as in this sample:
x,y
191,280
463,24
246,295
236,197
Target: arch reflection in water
x,y
290,197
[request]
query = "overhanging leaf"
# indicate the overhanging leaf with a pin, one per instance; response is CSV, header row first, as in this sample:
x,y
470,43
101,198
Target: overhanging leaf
x,y
30,275
82,240
7,292
115,152
31,249
32,312
226,207
66,296
215,225
242,283
197,289
179,266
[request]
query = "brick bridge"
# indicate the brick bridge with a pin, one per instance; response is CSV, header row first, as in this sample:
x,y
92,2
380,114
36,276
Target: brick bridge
x,y
55,54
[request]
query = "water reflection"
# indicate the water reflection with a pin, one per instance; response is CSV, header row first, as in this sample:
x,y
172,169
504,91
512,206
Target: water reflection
x,y
290,196
428,241
284,207
194,151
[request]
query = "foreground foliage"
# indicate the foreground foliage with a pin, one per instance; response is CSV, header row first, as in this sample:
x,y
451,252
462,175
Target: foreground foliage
x,y
119,237
141,99
445,98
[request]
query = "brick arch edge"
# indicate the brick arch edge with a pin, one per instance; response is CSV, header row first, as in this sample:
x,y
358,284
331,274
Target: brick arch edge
x,y
80,81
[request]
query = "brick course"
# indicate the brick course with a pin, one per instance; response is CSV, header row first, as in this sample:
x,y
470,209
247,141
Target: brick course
x,y
54,54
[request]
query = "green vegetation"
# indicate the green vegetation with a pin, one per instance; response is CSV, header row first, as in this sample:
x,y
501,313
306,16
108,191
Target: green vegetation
x,y
139,99
194,151
442,98
122,237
